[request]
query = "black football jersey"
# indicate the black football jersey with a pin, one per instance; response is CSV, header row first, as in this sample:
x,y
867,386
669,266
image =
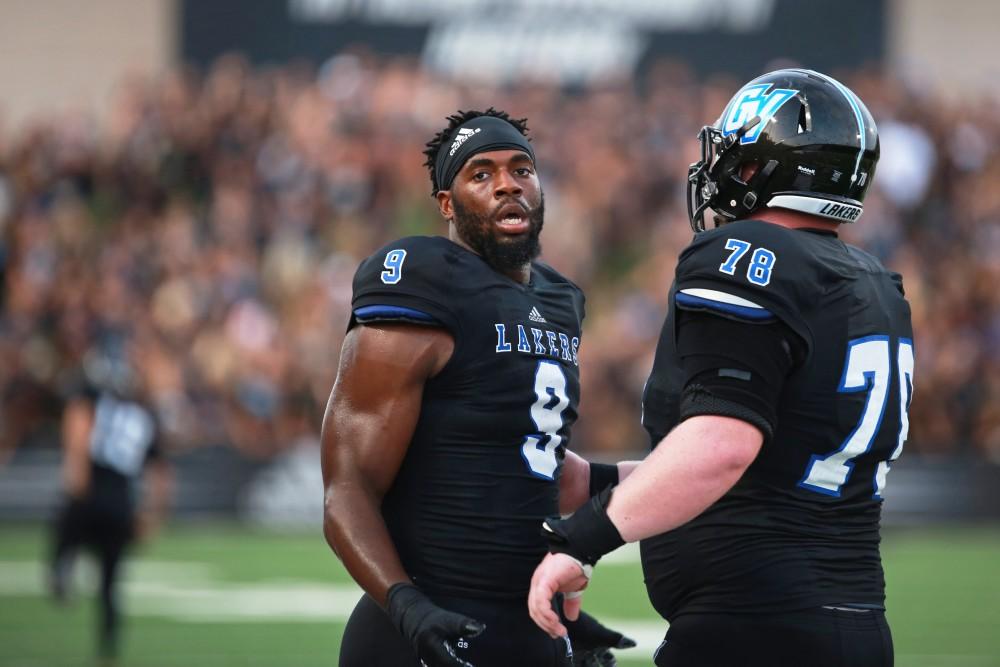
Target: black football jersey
x,y
124,437
482,469
801,528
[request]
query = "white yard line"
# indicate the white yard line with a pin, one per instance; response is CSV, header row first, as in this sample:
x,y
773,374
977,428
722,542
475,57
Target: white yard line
x,y
192,592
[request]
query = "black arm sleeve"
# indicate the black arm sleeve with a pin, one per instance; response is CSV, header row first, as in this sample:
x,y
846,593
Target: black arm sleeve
x,y
733,368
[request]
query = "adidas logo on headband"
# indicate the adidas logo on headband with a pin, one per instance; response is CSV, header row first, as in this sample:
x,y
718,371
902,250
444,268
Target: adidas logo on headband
x,y
483,134
464,134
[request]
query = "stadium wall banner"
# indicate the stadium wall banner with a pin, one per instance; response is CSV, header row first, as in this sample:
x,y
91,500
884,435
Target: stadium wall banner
x,y
559,41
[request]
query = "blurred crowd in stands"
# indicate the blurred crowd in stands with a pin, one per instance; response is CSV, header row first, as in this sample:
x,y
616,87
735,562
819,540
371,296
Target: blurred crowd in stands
x,y
208,226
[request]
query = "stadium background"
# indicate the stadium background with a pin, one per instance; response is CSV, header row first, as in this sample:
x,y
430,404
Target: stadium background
x,y
201,179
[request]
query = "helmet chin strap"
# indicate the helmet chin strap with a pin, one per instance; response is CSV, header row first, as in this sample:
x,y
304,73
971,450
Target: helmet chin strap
x,y
751,200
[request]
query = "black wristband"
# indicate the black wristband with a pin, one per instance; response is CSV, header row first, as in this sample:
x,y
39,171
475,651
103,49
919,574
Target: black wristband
x,y
588,534
602,475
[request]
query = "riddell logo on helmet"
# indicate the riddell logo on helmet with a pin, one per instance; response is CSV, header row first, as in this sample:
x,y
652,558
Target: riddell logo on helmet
x,y
842,211
463,135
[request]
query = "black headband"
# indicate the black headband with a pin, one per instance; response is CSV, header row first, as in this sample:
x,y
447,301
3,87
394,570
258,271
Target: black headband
x,y
479,135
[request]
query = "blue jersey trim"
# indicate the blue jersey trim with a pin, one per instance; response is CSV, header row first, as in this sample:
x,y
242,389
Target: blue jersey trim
x,y
380,312
755,314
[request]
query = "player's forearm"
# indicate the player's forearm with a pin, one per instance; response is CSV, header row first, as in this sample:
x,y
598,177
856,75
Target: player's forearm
x,y
694,466
625,468
76,476
574,484
355,530
76,425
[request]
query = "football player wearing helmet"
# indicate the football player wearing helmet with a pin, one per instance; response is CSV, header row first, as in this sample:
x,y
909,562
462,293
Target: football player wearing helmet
x,y
112,444
444,441
777,402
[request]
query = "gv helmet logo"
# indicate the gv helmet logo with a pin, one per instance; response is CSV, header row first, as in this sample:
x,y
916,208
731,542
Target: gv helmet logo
x,y
753,101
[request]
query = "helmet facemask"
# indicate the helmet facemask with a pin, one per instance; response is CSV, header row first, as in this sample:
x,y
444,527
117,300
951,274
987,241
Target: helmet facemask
x,y
720,170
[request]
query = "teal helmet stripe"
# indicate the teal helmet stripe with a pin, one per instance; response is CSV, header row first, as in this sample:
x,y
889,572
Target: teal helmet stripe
x,y
858,116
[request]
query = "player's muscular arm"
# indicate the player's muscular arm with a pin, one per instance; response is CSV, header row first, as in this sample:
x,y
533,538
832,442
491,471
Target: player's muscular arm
x,y
370,418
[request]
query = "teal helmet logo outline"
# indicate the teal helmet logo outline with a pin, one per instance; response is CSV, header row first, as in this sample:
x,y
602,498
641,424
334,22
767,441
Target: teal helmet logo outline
x,y
753,101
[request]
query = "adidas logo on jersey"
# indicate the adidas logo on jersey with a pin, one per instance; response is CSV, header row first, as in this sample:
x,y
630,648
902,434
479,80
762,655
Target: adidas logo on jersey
x,y
463,135
535,316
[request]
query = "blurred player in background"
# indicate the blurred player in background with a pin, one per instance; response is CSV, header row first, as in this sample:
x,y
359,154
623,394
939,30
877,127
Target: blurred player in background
x,y
444,441
109,438
778,399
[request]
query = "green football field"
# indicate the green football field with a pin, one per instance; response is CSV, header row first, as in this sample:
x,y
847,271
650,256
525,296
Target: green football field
x,y
228,595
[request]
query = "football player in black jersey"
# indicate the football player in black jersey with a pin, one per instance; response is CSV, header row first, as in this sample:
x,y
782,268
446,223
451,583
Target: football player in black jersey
x,y
444,441
110,437
777,402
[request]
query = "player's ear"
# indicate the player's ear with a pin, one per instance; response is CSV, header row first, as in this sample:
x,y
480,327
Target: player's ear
x,y
444,204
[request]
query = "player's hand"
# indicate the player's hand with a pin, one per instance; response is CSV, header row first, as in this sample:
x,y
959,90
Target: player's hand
x,y
431,630
557,573
592,642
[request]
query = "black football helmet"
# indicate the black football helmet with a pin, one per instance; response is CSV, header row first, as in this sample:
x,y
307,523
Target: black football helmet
x,y
813,143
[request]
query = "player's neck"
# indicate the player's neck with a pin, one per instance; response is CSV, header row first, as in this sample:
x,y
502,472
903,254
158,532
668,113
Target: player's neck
x,y
795,220
519,274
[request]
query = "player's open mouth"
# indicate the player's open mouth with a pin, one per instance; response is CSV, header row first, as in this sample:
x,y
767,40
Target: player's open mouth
x,y
512,219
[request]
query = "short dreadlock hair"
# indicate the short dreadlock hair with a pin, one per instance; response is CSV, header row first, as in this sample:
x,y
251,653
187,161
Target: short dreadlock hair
x,y
454,122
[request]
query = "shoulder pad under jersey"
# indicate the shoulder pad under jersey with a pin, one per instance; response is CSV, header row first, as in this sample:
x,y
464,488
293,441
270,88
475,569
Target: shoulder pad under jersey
x,y
409,280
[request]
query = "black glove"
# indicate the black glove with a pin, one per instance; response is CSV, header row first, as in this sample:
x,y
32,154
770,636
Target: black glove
x,y
586,535
592,642
431,630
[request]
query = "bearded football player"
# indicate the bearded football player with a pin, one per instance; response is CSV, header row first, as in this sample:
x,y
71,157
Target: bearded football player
x,y
445,438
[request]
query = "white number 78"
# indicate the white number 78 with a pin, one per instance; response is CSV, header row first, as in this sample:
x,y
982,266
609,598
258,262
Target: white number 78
x,y
868,367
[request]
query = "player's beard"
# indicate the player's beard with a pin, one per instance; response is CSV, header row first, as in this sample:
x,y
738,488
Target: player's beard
x,y
502,252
